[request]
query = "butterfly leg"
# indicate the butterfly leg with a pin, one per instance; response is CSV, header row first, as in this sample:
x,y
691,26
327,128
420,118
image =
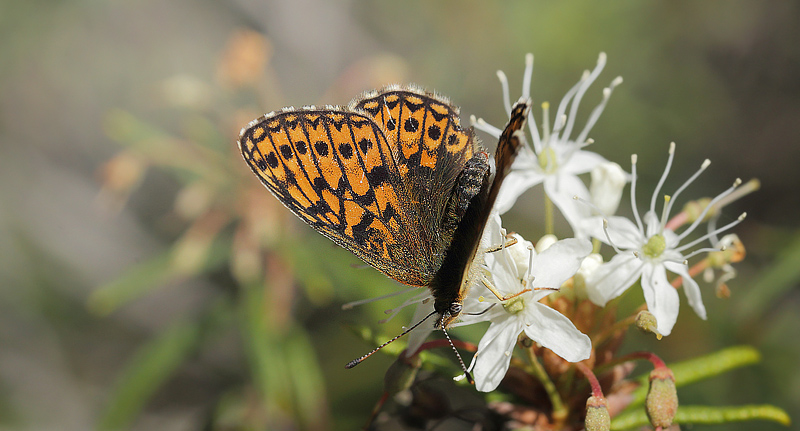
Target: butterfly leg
x,y
511,241
497,293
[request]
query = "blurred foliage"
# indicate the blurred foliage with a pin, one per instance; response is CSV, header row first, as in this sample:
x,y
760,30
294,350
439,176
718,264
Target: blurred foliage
x,y
121,190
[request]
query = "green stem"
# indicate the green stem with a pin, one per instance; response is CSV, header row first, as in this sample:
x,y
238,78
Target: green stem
x,y
560,411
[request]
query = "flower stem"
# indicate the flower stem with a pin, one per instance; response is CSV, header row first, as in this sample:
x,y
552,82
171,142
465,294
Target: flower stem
x,y
560,411
597,391
549,229
650,356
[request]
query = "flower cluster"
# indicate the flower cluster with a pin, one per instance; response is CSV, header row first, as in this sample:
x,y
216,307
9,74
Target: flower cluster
x,y
538,280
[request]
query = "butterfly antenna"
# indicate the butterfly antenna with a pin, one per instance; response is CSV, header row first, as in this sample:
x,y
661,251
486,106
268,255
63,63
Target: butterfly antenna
x,y
355,362
458,355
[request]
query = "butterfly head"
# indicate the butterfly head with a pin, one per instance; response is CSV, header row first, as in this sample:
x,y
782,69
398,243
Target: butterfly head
x,y
448,312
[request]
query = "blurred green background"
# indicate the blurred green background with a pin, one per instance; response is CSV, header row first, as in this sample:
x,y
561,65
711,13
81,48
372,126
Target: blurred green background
x,y
131,291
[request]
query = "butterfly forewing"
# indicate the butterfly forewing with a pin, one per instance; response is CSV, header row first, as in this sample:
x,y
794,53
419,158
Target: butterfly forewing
x,y
336,170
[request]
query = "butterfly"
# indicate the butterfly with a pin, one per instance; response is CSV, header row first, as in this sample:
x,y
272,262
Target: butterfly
x,y
392,177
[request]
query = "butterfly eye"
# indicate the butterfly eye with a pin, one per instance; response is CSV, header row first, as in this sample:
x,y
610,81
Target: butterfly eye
x,y
455,309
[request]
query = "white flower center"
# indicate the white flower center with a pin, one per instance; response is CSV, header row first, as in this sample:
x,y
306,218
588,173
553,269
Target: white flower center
x,y
548,160
514,305
655,246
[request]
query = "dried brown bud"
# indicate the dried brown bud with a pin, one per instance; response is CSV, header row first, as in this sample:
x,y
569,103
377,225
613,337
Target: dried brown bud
x,y
662,398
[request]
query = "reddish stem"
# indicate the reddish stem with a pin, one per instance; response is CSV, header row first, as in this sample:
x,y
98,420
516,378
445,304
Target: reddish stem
x,y
679,220
650,356
597,391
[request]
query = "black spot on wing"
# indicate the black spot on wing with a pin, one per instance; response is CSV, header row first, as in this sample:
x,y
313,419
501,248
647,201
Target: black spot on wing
x,y
378,175
320,183
434,132
451,140
272,161
314,121
368,198
338,124
346,150
360,230
411,125
413,107
286,151
389,213
322,148
437,115
365,144
373,111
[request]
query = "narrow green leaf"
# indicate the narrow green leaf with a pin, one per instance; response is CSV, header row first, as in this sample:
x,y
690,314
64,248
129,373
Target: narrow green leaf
x,y
153,364
145,277
702,368
720,415
706,415
137,281
263,349
307,380
780,277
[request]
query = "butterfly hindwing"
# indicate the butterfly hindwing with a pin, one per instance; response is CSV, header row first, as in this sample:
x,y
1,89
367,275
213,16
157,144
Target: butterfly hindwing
x,y
431,150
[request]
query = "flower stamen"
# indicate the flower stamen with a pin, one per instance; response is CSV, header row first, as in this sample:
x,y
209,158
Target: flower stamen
x,y
703,167
601,63
595,115
712,234
708,207
634,207
663,176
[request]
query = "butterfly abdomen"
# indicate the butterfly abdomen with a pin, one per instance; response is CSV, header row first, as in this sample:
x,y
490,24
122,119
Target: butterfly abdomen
x,y
465,211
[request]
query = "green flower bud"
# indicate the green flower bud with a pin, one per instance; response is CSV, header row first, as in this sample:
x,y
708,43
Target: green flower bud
x,y
662,398
401,374
646,321
597,417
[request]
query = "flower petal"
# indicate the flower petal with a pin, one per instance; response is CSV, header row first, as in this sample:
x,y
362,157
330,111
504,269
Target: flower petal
x,y
515,184
690,288
661,298
494,353
554,266
553,330
613,278
581,162
562,189
623,233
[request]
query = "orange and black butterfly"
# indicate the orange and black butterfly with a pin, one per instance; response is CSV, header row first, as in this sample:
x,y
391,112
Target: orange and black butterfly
x,y
393,178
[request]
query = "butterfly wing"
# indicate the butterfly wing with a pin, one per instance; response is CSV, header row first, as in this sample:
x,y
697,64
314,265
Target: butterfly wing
x,y
431,150
336,170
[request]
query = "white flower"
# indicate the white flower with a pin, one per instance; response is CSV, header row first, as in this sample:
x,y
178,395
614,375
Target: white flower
x,y
608,181
648,251
513,269
556,159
